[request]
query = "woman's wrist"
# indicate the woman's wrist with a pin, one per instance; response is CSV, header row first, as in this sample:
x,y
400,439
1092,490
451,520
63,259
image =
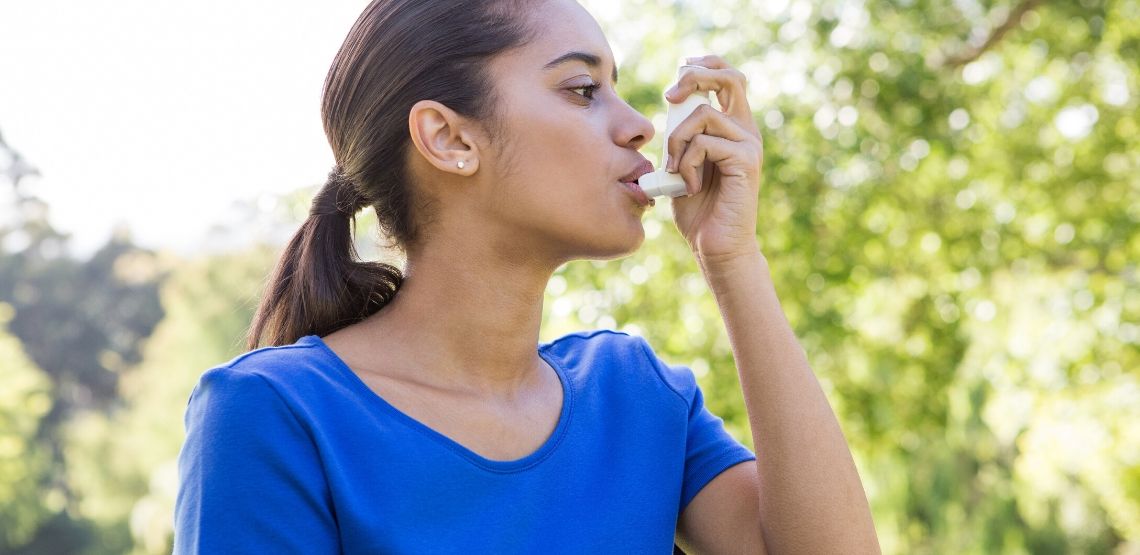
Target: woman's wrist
x,y
726,270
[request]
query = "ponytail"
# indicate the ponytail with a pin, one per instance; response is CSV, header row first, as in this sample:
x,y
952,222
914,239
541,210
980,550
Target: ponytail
x,y
319,284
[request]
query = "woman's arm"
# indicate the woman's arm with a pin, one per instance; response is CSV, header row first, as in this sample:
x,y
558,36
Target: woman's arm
x,y
807,489
811,498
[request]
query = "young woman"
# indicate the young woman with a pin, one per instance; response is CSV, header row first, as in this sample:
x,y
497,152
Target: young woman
x,y
414,411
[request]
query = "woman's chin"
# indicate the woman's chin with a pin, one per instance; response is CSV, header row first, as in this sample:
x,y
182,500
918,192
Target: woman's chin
x,y
613,235
618,245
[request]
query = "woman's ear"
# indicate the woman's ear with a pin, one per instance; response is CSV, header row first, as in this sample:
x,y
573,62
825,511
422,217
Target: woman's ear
x,y
442,137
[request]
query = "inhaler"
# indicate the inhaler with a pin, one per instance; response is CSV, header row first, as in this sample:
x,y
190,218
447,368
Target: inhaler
x,y
660,182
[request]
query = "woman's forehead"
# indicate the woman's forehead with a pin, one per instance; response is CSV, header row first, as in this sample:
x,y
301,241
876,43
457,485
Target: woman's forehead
x,y
564,27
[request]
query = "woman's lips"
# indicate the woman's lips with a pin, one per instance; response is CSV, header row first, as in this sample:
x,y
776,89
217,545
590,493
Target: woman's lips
x,y
637,193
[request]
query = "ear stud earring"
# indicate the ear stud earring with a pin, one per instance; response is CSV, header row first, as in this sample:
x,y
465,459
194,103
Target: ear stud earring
x,y
461,164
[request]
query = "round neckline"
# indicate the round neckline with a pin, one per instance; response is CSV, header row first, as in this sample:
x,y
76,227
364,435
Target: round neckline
x,y
493,465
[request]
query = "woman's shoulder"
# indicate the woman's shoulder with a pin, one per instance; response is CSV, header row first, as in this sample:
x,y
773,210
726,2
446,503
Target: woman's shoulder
x,y
598,349
290,371
278,361
594,341
626,356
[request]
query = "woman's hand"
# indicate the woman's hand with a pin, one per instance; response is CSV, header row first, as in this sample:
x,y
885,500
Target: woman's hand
x,y
718,218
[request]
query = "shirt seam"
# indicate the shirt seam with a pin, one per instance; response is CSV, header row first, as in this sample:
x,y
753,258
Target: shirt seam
x,y
586,335
241,358
644,345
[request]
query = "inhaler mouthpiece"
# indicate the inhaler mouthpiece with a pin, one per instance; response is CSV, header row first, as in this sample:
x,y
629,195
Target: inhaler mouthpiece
x,y
660,182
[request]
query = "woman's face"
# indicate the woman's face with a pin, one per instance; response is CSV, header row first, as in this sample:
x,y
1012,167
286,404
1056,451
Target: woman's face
x,y
568,140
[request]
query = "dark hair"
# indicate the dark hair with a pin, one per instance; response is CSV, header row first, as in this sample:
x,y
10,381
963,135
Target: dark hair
x,y
397,53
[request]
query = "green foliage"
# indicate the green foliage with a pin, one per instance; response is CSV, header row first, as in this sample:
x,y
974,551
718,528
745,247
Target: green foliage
x,y
80,323
24,460
101,308
123,466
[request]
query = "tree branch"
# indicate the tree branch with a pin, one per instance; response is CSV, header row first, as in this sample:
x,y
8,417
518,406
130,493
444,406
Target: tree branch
x,y
996,35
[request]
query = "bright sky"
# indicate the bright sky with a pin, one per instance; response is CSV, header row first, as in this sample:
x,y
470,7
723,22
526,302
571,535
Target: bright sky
x,y
159,114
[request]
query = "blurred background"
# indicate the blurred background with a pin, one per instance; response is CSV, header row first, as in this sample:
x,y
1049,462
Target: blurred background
x,y
950,206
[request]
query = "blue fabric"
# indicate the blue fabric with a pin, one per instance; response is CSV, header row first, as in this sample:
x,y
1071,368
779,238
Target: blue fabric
x,y
288,451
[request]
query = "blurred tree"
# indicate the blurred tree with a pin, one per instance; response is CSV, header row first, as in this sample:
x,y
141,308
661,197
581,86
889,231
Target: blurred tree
x,y
100,308
124,464
80,321
24,461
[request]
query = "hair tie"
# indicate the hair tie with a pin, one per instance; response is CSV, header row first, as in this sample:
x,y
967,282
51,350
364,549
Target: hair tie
x,y
338,197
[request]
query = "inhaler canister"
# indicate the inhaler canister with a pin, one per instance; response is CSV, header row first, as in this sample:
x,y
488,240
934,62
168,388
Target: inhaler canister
x,y
660,182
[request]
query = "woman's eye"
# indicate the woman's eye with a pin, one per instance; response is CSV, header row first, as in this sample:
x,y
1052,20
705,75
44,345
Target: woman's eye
x,y
589,90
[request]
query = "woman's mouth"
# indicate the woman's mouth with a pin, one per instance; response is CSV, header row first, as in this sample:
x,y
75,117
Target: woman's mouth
x,y
638,195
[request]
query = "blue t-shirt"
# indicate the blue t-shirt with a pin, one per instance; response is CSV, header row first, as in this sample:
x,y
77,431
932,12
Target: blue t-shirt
x,y
288,451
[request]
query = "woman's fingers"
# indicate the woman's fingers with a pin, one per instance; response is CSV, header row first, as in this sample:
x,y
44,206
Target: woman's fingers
x,y
729,84
731,158
708,120
728,138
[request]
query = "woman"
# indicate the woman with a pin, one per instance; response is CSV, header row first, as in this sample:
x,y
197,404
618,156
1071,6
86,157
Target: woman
x,y
489,139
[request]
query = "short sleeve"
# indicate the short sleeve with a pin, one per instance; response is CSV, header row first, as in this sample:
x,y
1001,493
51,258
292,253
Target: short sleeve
x,y
709,448
251,479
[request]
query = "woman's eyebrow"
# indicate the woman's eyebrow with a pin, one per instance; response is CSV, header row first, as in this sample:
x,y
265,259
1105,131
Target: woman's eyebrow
x,y
584,57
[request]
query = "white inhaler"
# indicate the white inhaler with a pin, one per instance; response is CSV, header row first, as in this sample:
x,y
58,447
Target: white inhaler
x,y
660,182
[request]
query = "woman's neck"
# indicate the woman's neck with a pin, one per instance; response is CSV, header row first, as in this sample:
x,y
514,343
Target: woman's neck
x,y
470,321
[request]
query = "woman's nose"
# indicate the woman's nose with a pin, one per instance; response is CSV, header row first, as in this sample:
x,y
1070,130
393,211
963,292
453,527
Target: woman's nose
x,y
637,130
